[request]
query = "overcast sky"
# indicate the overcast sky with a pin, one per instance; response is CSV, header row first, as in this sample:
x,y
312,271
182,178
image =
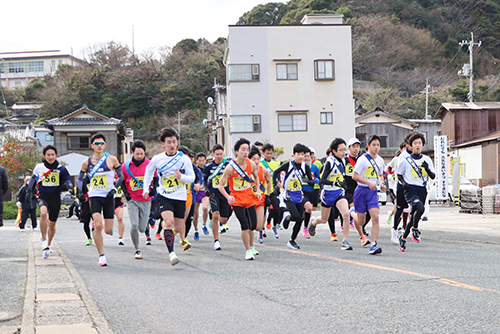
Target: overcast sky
x,y
29,25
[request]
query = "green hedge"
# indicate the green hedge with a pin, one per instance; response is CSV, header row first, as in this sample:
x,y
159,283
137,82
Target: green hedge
x,y
10,210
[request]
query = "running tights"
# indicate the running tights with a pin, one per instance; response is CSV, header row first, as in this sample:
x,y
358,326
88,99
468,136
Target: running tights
x,y
246,217
417,211
296,211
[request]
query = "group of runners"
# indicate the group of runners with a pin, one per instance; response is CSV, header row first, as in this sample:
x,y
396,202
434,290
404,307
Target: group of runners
x,y
261,192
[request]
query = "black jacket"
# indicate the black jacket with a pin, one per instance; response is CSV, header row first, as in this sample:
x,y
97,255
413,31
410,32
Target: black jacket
x,y
4,182
27,204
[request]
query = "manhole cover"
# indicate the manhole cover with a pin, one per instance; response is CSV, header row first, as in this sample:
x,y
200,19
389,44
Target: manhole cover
x,y
4,316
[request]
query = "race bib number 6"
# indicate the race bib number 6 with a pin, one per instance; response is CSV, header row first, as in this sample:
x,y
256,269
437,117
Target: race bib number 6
x,y
171,184
294,185
99,182
52,180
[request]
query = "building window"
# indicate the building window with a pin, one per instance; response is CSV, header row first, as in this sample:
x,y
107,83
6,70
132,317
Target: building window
x,y
18,83
49,138
242,72
384,141
78,143
2,68
362,138
324,70
292,122
326,117
35,66
286,72
53,66
16,67
246,123
60,61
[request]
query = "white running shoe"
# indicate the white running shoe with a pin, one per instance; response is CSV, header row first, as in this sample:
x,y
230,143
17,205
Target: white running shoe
x,y
102,260
217,245
249,255
174,259
394,236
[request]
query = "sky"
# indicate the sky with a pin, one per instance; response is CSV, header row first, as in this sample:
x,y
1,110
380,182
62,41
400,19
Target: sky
x,y
29,25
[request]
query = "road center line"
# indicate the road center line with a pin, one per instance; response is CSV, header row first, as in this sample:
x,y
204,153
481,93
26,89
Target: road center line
x,y
401,271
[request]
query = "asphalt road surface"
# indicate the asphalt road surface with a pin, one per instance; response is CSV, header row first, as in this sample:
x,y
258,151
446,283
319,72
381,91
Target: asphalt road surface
x,y
442,285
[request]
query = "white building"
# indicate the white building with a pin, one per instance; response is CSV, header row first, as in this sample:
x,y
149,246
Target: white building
x,y
290,83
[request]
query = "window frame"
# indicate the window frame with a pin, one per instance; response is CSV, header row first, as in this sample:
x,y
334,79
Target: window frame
x,y
292,116
19,69
35,66
287,71
316,70
326,113
70,147
363,141
386,141
253,77
253,123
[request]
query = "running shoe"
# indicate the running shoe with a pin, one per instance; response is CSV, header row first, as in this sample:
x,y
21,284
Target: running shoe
x,y
341,227
45,249
210,224
402,244
312,230
120,242
89,242
364,241
415,235
35,229
365,233
264,233
285,221
260,238
394,236
389,218
279,227
374,249
222,230
138,255
173,259
292,244
152,223
102,260
226,226
275,232
196,235
268,226
148,241
249,255
334,237
345,245
50,249
351,222
158,236
306,233
205,230
217,245
424,219
186,245
254,251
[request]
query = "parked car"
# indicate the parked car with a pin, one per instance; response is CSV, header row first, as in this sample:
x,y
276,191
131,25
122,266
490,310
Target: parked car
x,y
465,184
382,196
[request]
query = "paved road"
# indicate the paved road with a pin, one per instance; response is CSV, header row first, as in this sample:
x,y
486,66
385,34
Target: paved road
x,y
448,283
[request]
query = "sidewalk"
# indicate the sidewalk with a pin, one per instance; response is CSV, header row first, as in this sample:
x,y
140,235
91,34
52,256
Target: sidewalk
x,y
56,300
48,295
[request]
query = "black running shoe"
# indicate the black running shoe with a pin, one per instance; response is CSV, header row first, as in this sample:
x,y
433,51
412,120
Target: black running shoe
x,y
415,235
312,230
402,244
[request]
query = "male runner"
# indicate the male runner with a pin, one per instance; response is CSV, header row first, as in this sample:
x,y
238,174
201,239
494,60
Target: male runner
x,y
119,213
138,207
393,182
174,171
242,198
51,178
200,198
212,174
333,190
271,164
311,193
296,174
414,171
369,174
317,188
101,168
265,183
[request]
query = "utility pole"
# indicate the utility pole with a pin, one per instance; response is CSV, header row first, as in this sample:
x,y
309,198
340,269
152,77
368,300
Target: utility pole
x,y
466,71
427,86
179,125
1,87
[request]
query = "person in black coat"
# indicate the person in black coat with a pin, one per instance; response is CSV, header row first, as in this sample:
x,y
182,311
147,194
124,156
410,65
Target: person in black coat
x,y
4,186
28,205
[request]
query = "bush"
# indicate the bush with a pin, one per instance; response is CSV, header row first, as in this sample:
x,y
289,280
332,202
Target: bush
x,y
10,210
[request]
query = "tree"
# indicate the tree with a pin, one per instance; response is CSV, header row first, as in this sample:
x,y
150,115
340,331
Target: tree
x,y
268,14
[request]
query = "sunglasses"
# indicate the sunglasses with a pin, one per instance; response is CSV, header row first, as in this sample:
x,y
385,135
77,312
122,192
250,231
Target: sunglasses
x,y
99,143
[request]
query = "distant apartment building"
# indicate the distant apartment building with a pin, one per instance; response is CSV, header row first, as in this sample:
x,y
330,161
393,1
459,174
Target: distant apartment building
x,y
290,83
18,69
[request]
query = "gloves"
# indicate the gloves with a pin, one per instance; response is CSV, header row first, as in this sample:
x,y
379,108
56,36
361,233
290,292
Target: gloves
x,y
268,200
111,194
128,197
426,166
18,204
276,189
310,183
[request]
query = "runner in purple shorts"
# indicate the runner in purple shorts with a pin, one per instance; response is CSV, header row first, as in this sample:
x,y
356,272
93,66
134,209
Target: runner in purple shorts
x,y
200,198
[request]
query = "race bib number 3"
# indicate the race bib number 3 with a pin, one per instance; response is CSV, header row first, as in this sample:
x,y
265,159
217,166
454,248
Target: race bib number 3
x,y
294,185
136,186
171,184
240,184
99,182
216,181
52,180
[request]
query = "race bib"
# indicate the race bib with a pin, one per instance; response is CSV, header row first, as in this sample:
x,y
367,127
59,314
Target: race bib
x,y
416,177
136,186
335,178
240,184
349,170
119,193
188,187
254,187
171,184
216,181
52,180
99,182
294,185
370,174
